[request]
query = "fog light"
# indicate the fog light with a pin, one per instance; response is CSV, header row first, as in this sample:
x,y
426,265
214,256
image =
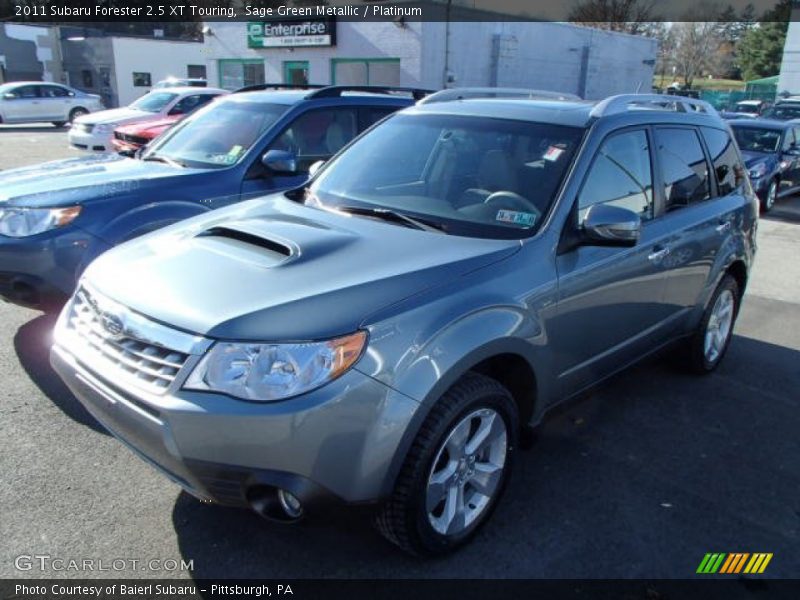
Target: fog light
x,y
290,504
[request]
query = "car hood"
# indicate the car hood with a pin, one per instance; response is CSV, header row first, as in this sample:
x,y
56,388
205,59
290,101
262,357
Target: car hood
x,y
72,181
271,269
114,115
157,125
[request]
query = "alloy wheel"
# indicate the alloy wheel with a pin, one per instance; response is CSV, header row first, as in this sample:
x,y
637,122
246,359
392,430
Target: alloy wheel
x,y
719,326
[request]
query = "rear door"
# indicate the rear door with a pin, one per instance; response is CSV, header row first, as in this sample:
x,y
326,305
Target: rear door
x,y
611,305
700,199
55,101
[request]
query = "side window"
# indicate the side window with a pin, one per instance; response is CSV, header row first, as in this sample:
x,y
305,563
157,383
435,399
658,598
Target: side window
x,y
796,133
729,172
788,140
53,91
683,166
621,175
27,91
318,134
189,103
372,114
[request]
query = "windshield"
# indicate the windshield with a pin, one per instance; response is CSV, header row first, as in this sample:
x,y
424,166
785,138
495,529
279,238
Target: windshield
x,y
154,101
466,175
783,113
219,135
756,139
747,108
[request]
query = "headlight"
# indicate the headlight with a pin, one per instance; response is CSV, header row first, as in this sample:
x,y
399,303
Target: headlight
x,y
758,171
268,372
22,222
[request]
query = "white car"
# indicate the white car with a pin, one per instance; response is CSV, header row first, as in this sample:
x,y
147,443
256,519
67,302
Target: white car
x,y
94,132
44,102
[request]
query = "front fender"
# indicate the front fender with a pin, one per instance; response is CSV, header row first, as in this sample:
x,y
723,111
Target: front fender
x,y
148,217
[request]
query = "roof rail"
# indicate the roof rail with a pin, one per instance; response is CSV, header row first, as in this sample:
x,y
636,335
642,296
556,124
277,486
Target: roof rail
x,y
622,103
278,86
335,91
495,92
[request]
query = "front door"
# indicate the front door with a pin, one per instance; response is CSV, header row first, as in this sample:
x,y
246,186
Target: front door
x,y
295,72
611,304
23,104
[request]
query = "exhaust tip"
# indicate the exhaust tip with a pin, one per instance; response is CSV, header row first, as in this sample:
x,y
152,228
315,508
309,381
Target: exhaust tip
x,y
275,504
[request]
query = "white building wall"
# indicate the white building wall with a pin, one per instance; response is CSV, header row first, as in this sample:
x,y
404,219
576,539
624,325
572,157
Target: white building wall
x,y
538,55
160,58
789,80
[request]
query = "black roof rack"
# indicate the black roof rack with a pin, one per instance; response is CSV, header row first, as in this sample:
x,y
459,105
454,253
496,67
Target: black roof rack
x,y
335,91
278,86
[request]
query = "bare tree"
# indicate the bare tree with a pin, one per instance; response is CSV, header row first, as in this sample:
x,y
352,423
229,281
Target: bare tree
x,y
697,45
628,16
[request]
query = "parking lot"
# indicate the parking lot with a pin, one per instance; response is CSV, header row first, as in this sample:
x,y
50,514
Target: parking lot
x,y
639,479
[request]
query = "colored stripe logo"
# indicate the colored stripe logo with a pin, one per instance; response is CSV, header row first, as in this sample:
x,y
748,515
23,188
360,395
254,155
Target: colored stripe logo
x,y
733,563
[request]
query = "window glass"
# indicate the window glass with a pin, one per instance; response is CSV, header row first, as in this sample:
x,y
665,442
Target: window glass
x,y
788,140
621,176
318,134
729,172
154,101
196,71
53,91
783,112
190,103
683,167
372,114
88,78
141,80
757,139
471,176
27,91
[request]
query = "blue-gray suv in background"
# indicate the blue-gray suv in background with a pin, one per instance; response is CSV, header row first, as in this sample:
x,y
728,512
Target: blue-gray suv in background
x,y
55,218
387,332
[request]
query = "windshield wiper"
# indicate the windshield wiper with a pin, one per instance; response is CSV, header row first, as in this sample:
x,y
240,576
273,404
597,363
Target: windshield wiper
x,y
164,159
388,214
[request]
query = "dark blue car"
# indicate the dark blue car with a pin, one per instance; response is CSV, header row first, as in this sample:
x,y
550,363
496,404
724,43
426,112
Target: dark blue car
x,y
771,151
55,218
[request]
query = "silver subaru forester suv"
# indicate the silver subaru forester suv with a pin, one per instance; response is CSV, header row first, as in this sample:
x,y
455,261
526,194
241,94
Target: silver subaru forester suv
x,y
387,332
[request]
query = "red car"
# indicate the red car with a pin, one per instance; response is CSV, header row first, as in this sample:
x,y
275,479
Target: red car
x,y
129,138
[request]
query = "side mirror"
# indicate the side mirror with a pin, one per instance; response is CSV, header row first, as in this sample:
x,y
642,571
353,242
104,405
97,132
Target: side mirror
x,y
312,170
280,162
608,225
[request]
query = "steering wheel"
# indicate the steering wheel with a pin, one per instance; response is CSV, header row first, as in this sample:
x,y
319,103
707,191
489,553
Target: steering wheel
x,y
514,201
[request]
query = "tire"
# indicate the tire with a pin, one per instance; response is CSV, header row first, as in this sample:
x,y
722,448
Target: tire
x,y
768,201
77,112
416,516
59,124
705,354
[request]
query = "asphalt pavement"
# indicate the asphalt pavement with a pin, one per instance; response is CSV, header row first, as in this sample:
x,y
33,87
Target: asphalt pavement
x,y
639,479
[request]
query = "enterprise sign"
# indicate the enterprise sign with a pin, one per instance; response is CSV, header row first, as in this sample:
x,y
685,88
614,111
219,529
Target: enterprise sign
x,y
291,34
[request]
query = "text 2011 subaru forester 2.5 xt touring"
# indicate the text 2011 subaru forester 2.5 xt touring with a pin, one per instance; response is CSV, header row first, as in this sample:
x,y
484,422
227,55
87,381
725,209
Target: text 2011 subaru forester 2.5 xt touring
x,y
386,332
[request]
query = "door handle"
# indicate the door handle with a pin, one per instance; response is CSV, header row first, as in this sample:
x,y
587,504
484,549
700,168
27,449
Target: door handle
x,y
658,254
723,227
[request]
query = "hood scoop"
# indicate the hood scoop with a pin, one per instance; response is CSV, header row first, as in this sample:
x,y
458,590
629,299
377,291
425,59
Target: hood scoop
x,y
245,245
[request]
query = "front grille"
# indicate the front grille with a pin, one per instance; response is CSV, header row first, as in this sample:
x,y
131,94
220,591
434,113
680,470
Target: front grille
x,y
103,336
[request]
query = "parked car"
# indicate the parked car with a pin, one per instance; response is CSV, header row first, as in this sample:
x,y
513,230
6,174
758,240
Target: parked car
x,y
783,110
386,332
771,151
57,217
171,82
41,102
94,132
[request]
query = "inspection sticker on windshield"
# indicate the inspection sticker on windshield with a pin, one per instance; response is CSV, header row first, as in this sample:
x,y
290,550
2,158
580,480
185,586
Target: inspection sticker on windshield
x,y
517,218
233,154
553,153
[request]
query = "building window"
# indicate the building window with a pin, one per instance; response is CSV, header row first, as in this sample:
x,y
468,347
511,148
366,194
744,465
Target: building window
x,y
88,79
141,80
365,71
235,74
196,71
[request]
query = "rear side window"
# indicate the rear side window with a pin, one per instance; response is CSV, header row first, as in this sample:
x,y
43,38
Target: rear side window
x,y
683,167
621,176
727,167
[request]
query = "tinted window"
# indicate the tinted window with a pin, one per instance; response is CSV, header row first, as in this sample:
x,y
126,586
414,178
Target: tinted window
x,y
783,113
27,91
727,168
154,101
190,103
620,175
757,139
788,140
318,134
683,166
372,114
141,80
53,91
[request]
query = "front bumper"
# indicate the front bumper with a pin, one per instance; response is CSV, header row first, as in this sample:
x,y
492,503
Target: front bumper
x,y
90,141
332,444
37,269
